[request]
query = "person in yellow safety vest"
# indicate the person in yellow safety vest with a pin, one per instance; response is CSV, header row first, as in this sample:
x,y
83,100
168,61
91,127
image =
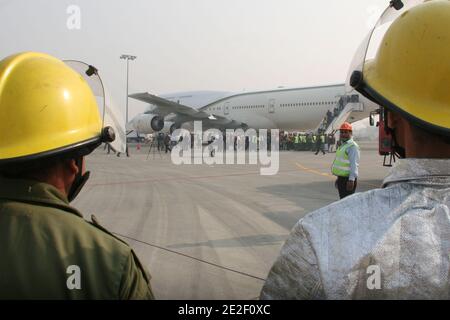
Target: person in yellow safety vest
x,y
303,142
296,142
391,242
346,162
320,140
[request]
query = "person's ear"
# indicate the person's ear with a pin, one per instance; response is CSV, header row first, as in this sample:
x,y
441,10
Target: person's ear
x,y
72,166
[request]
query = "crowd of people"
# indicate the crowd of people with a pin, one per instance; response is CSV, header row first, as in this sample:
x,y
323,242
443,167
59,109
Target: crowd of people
x,y
307,142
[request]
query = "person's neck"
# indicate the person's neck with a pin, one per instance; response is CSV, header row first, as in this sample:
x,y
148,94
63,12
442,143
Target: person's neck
x,y
432,150
419,144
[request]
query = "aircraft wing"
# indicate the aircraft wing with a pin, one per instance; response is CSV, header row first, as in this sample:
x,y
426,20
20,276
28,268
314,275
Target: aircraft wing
x,y
183,112
165,106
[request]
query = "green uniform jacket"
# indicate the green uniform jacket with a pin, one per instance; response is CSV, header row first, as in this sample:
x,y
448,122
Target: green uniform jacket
x,y
48,251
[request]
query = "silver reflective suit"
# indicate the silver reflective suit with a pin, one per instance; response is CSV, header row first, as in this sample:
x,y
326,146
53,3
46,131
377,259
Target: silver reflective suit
x,y
399,234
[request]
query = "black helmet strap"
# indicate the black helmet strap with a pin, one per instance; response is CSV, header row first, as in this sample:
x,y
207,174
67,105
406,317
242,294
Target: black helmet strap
x,y
80,180
397,150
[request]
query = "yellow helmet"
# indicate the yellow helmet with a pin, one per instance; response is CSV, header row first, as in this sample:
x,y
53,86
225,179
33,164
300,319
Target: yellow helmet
x,y
46,108
410,72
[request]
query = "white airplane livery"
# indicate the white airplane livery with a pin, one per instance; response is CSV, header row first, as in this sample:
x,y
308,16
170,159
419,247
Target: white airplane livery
x,y
300,109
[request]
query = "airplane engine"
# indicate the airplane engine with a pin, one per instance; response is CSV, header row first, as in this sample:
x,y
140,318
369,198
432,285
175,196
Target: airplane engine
x,y
157,123
149,123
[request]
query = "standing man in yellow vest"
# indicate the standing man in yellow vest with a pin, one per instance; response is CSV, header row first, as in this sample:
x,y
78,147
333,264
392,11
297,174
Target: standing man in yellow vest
x,y
296,142
50,122
345,165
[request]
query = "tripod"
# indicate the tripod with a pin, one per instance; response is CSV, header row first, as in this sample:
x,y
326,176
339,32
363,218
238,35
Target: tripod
x,y
154,147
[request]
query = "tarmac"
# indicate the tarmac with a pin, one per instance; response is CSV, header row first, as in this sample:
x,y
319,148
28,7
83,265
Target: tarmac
x,y
210,231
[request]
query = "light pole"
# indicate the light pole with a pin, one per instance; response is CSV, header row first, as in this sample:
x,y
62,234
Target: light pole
x,y
128,58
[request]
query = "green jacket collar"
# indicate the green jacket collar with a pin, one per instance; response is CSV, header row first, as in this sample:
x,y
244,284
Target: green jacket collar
x,y
31,191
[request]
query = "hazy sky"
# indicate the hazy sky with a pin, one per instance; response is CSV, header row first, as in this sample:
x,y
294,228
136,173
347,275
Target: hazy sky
x,y
182,45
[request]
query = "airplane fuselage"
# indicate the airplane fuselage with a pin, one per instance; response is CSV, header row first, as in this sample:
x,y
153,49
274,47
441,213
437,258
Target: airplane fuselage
x,y
286,109
295,109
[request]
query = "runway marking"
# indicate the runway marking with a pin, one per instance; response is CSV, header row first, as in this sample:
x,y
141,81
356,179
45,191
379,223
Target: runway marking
x,y
314,171
191,257
329,175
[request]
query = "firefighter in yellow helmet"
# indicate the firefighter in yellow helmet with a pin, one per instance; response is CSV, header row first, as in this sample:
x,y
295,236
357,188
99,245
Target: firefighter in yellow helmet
x,y
393,242
50,122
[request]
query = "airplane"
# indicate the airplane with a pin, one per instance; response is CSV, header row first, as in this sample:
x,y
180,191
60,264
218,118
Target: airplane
x,y
289,109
